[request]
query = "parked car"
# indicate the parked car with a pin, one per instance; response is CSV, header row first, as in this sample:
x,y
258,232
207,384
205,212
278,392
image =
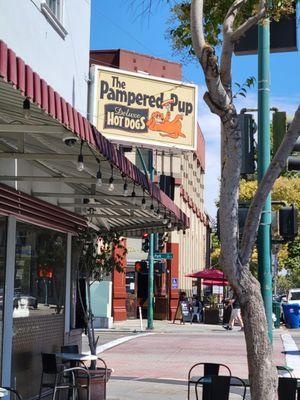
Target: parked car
x,y
294,296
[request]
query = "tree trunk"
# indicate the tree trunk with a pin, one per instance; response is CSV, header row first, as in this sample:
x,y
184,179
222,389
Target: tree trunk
x,y
262,373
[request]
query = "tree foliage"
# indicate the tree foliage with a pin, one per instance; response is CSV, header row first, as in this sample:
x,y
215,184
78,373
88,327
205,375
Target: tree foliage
x,y
214,14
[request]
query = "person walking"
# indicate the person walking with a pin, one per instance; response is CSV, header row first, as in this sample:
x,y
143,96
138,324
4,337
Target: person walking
x,y
235,315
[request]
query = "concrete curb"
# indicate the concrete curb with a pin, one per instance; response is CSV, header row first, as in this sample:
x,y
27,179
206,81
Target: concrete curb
x,y
292,355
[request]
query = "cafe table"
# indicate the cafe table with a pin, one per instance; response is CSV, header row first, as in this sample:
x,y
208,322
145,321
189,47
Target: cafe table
x,y
76,357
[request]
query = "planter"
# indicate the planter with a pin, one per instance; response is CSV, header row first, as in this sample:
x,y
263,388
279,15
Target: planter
x,y
211,316
99,378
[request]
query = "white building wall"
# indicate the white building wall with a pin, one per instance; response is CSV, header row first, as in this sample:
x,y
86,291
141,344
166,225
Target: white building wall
x,y
62,61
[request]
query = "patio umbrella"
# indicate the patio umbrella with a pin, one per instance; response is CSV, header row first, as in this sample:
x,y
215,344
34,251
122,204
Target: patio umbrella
x,y
214,274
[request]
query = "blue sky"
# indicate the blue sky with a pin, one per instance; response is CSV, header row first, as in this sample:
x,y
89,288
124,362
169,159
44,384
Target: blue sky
x,y
116,24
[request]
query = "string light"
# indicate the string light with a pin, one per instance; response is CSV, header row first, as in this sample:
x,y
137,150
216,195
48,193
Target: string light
x,y
165,220
133,195
80,164
99,174
158,214
152,208
169,226
125,189
111,186
143,205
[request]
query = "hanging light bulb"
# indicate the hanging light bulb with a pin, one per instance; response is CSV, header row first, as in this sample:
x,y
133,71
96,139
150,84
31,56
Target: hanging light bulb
x,y
169,225
125,189
26,108
143,205
133,196
165,220
80,164
152,209
158,214
99,178
111,186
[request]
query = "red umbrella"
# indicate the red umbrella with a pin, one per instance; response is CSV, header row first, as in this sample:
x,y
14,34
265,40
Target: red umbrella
x,y
214,274
211,282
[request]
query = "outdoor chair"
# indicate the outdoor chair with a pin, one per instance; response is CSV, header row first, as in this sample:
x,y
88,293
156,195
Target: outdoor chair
x,y
217,387
287,388
60,378
284,371
207,369
14,391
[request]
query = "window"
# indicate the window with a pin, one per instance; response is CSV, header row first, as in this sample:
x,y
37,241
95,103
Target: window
x,y
2,275
56,7
53,10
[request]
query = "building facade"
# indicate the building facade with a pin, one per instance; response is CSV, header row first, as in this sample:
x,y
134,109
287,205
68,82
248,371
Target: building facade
x,y
50,190
187,170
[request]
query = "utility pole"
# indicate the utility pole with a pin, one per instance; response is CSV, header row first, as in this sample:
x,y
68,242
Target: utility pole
x,y
264,231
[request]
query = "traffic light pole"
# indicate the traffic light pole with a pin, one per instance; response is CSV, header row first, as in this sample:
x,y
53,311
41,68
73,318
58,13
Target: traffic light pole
x,y
264,231
151,247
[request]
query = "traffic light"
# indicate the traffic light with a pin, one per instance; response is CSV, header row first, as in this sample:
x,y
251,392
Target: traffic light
x,y
280,126
141,267
293,162
161,241
288,226
248,128
145,242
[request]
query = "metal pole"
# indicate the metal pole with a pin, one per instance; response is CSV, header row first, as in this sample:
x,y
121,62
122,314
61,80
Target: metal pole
x,y
264,231
151,246
151,261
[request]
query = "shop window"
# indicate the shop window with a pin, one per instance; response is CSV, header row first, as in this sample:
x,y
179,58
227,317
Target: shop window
x,y
38,304
130,282
40,271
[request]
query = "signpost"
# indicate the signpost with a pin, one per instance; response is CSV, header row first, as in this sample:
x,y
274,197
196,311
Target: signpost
x,y
163,256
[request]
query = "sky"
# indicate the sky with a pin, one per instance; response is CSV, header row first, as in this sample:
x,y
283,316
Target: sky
x,y
118,24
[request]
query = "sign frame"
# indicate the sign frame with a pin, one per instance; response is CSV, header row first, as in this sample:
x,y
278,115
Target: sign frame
x,y
95,71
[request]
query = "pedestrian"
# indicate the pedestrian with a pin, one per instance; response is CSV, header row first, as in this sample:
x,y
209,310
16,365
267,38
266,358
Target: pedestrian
x,y
235,314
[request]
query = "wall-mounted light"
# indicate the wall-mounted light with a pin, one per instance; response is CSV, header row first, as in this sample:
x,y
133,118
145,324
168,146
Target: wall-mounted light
x,y
80,164
26,108
111,186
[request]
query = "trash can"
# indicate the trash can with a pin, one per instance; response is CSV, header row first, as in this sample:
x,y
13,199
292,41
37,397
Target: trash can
x,y
277,311
291,314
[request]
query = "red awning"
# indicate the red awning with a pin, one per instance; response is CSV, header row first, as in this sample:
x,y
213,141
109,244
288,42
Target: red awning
x,y
29,84
214,274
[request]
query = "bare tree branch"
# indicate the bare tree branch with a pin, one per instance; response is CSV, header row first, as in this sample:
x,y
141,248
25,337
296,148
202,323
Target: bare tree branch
x,y
242,29
227,46
208,60
265,186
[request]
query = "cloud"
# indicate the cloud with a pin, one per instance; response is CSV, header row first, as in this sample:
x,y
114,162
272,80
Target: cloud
x,y
210,126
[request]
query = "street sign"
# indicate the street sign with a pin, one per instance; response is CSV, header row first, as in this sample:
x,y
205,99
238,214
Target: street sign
x,y
163,256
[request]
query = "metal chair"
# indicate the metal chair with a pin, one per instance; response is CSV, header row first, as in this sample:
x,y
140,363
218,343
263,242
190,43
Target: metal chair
x,y
287,388
62,379
284,371
14,391
217,387
208,369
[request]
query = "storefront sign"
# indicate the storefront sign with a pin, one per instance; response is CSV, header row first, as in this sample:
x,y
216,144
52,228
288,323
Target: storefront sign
x,y
130,107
